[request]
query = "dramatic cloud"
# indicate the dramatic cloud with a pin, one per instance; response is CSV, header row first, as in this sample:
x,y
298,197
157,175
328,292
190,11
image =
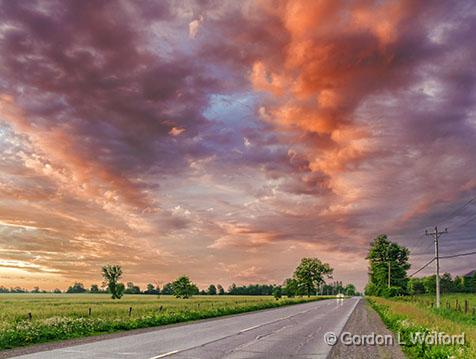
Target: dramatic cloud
x,y
182,137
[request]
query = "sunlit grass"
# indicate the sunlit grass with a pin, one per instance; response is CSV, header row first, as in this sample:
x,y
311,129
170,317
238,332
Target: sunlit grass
x,y
413,314
62,316
15,307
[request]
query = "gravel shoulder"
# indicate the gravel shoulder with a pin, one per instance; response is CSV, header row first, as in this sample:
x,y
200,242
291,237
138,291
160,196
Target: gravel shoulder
x,y
364,321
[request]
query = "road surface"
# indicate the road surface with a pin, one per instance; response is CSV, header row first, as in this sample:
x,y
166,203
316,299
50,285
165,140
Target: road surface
x,y
295,331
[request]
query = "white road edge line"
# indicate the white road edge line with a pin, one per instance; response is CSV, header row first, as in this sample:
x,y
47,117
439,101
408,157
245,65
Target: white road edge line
x,y
166,354
251,328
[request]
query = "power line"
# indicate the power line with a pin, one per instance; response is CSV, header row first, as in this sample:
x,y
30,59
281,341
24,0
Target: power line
x,y
471,218
418,271
452,214
458,255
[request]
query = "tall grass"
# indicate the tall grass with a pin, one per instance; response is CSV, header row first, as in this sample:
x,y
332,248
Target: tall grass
x,y
56,317
408,317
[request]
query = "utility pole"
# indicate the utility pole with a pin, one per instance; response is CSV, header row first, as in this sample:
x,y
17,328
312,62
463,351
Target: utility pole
x,y
436,235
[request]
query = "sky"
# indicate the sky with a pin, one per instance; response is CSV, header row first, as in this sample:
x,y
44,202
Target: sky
x,y
226,140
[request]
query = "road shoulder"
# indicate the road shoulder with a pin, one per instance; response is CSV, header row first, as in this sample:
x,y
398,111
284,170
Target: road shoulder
x,y
365,321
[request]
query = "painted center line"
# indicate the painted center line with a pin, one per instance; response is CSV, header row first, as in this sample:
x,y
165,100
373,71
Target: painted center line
x,y
241,331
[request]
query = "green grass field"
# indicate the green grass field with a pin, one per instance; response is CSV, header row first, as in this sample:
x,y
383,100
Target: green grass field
x,y
64,316
408,315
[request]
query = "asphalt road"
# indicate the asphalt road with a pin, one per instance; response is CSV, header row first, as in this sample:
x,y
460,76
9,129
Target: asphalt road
x,y
295,331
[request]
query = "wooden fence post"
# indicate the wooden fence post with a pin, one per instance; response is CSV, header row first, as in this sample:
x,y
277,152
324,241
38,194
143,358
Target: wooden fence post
x,y
89,311
465,306
30,317
130,311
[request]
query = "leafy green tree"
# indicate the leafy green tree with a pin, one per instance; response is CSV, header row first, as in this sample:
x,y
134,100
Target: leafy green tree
x,y
350,290
430,284
55,291
212,290
446,283
290,287
76,288
132,289
220,289
168,289
112,274
184,288
383,252
458,284
277,292
310,274
151,289
94,288
416,286
468,284
328,289
392,291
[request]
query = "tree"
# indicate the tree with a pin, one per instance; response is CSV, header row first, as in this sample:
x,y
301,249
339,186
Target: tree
x,y
446,283
458,284
277,292
132,289
468,284
76,288
416,286
56,291
382,254
350,290
310,274
35,290
184,288
168,289
94,288
290,287
430,284
151,289
212,290
112,274
220,289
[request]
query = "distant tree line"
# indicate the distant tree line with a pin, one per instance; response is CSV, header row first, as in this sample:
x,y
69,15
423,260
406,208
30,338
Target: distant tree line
x,y
252,289
308,279
427,285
